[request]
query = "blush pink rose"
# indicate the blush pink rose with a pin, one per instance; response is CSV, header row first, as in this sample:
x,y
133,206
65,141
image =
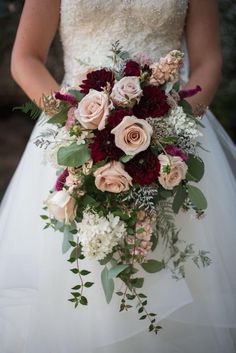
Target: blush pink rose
x,y
127,91
132,135
112,177
173,171
93,110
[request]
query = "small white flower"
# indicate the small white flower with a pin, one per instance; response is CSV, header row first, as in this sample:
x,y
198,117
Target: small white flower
x,y
182,124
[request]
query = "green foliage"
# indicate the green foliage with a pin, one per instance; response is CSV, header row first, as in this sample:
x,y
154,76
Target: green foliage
x,y
108,284
31,109
179,198
197,198
60,117
153,266
74,155
195,168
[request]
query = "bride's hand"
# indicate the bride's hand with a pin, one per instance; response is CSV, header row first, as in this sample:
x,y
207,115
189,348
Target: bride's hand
x,y
203,42
37,28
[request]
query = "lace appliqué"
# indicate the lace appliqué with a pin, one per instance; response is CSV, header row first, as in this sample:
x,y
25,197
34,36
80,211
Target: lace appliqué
x,y
88,27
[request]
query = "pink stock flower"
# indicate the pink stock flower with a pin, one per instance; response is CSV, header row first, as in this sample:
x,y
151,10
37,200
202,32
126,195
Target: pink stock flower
x,y
70,118
167,69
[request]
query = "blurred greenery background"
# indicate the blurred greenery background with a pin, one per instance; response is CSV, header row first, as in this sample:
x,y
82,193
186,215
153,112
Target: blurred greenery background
x,y
15,128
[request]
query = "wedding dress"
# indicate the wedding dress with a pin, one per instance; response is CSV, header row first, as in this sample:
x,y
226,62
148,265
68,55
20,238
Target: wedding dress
x,y
198,314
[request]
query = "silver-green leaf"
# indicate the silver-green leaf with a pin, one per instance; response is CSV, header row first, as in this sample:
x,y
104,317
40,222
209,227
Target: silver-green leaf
x,y
73,155
108,284
116,270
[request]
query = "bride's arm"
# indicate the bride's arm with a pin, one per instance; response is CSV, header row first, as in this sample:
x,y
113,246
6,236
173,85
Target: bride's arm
x,y
203,42
37,28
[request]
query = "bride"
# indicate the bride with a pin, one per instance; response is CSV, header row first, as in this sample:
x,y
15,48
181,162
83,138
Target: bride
x,y
198,314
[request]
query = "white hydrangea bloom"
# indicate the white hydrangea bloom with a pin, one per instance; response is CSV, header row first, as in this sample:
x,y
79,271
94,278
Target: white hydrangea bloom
x,y
183,124
98,235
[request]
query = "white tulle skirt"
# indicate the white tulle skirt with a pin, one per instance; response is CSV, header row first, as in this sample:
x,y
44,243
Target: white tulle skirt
x,y
197,314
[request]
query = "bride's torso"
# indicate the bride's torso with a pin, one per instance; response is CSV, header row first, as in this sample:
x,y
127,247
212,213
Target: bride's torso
x,y
89,27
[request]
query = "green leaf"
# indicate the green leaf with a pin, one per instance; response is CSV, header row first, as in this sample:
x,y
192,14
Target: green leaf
x,y
186,107
143,317
66,240
88,284
108,284
73,155
152,266
75,270
30,108
44,217
180,197
77,287
73,243
116,270
126,158
195,168
84,272
137,282
106,259
83,301
59,118
197,198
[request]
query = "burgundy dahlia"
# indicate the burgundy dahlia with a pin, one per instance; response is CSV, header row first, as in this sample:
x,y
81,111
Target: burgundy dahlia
x,y
103,146
144,168
117,116
132,68
152,104
172,150
61,180
97,80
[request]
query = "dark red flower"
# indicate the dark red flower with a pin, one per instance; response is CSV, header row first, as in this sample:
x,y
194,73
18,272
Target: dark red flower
x,y
97,80
153,103
144,168
103,146
69,98
132,68
61,180
172,150
117,116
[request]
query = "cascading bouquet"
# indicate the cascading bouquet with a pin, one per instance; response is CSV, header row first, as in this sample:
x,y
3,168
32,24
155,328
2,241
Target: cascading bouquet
x,y
125,141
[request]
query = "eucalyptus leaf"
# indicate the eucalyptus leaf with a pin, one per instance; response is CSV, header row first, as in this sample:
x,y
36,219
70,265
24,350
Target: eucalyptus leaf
x,y
195,168
153,266
108,284
73,155
180,197
116,270
66,240
197,198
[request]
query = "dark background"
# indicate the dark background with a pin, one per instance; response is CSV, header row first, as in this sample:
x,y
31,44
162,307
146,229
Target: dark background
x,y
15,128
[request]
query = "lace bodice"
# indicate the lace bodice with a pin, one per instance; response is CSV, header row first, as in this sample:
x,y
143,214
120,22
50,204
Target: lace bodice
x,y
89,27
